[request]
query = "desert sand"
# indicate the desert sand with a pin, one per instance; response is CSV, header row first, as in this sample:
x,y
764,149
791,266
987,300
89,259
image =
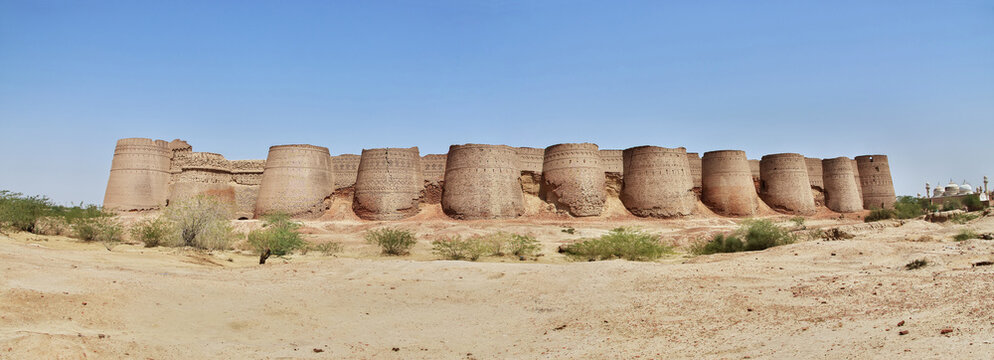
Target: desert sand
x,y
64,299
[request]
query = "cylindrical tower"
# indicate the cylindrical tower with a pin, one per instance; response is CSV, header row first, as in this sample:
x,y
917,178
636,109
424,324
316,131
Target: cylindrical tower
x,y
695,168
482,182
139,175
297,179
727,185
658,182
612,161
574,178
388,184
815,172
784,183
878,187
841,193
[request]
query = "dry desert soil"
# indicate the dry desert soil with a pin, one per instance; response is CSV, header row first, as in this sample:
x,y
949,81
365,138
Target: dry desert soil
x,y
64,299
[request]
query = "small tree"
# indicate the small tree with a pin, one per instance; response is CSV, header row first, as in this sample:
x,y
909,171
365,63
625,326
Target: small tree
x,y
277,237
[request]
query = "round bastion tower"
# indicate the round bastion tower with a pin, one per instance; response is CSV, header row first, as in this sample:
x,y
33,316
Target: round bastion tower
x,y
388,184
727,184
784,184
574,178
296,179
878,187
139,175
482,182
658,182
841,193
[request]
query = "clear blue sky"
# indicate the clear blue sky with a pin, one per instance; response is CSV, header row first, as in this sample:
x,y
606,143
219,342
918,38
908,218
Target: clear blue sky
x,y
911,79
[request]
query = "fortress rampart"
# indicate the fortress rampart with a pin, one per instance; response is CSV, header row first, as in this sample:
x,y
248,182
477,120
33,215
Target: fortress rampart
x,y
694,160
612,161
814,166
433,168
574,178
139,175
476,181
855,174
297,178
727,186
784,183
345,168
388,184
657,182
878,187
482,182
530,159
841,193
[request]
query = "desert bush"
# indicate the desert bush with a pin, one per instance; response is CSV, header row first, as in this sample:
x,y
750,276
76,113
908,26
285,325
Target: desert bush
x,y
620,243
278,236
24,213
966,234
102,229
392,241
909,207
569,230
879,214
19,212
963,218
201,222
153,232
457,248
523,245
752,235
328,248
798,221
52,225
917,264
973,203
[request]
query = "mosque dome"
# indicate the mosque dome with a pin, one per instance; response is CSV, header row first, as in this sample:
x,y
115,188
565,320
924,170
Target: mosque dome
x,y
938,192
952,189
965,189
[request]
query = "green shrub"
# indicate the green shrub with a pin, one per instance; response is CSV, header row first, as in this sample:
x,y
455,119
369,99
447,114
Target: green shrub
x,y
569,230
457,248
392,241
102,229
880,214
52,225
19,212
201,222
328,248
798,221
523,245
621,243
752,235
966,234
153,232
909,207
973,203
278,236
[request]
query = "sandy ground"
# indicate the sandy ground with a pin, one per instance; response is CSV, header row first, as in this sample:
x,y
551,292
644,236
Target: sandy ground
x,y
63,299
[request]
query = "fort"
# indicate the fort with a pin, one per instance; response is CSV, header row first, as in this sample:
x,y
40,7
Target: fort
x,y
477,181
